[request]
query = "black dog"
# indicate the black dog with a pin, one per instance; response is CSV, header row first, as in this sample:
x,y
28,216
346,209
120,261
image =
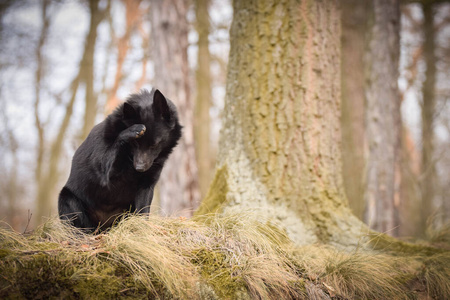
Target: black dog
x,y
116,168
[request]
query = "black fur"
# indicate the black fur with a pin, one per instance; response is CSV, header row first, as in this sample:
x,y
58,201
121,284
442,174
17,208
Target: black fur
x,y
116,168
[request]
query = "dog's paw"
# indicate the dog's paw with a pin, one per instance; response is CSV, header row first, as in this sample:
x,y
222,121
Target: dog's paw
x,y
139,130
135,131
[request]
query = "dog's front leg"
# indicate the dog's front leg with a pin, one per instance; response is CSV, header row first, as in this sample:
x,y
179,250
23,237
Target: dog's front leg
x,y
130,134
143,200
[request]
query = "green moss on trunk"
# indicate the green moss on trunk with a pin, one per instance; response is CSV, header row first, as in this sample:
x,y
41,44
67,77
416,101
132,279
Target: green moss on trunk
x,y
217,194
386,243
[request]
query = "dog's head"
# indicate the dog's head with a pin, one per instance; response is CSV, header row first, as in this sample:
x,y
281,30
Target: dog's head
x,y
159,115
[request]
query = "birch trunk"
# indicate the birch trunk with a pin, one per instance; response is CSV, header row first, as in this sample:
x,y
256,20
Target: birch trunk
x,y
279,152
179,193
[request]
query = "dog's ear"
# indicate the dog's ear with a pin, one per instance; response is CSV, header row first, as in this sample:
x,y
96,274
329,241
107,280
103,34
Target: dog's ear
x,y
129,112
160,106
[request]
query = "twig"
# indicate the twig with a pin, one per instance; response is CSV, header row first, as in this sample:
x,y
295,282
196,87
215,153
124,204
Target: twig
x,y
28,222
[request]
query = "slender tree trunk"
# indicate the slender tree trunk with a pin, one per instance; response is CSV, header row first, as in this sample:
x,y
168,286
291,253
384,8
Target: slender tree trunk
x,y
13,194
87,74
10,187
354,21
383,119
49,176
47,185
178,185
428,168
132,17
43,204
280,152
410,191
202,120
38,80
146,48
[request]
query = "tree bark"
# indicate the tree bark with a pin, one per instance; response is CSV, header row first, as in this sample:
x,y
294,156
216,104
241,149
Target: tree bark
x,y
279,152
203,100
179,193
428,168
354,27
383,119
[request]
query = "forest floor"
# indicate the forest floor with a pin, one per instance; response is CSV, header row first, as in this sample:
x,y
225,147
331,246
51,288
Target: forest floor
x,y
212,257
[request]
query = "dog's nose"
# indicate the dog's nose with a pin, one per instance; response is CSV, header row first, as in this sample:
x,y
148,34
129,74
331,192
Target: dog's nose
x,y
140,168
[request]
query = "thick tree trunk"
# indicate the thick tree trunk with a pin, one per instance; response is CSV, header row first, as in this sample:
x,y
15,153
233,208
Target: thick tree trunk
x,y
179,193
203,101
383,119
279,152
428,168
354,21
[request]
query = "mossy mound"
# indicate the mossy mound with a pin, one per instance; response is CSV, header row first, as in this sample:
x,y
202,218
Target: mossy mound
x,y
208,257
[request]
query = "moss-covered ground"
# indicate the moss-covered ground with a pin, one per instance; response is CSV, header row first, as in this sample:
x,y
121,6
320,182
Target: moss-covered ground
x,y
211,257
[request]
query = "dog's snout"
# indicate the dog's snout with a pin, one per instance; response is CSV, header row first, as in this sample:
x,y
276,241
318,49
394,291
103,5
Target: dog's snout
x,y
140,167
142,161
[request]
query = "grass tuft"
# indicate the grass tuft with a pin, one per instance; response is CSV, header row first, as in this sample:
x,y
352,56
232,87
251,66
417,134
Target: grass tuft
x,y
439,237
357,275
436,276
235,256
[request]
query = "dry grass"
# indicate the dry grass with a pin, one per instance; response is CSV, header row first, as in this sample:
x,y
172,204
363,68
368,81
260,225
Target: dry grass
x,y
359,275
436,276
439,237
208,257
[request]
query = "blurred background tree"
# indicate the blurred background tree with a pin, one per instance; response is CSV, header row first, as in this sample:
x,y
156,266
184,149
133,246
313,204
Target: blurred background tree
x,y
354,28
64,64
407,203
382,117
178,186
203,97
